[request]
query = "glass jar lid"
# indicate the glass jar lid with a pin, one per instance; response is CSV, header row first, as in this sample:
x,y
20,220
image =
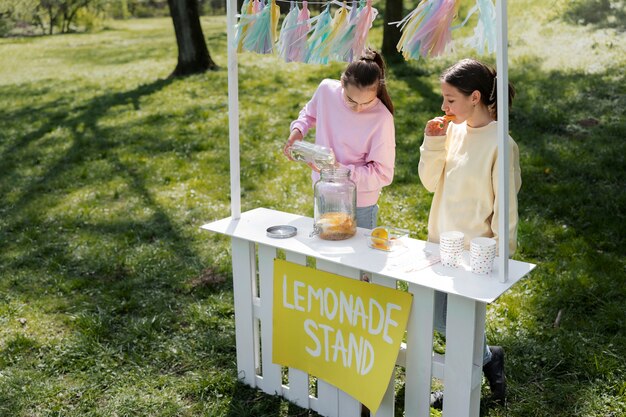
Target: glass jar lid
x,y
281,231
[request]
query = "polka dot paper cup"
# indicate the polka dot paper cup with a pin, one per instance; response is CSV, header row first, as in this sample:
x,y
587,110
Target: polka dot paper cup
x,y
482,255
451,245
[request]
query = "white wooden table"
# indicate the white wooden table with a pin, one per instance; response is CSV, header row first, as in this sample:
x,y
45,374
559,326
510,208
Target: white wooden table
x,y
253,253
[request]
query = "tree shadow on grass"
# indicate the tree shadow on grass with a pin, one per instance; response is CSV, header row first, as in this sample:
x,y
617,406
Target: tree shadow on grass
x,y
120,285
57,115
412,118
251,402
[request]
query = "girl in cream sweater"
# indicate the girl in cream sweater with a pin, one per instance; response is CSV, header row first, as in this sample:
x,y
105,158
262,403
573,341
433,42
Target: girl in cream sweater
x,y
458,162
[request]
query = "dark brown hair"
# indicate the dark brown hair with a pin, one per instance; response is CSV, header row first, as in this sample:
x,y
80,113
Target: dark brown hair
x,y
469,75
367,71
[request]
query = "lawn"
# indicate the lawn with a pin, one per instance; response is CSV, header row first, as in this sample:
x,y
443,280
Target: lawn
x,y
114,303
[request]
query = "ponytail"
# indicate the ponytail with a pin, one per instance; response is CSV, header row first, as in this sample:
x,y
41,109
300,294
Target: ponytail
x,y
469,75
369,71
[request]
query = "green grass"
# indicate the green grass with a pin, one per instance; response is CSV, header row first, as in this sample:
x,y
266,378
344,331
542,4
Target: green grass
x,y
114,303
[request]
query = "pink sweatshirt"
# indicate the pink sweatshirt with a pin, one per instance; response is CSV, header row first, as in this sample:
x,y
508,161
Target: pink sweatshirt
x,y
363,142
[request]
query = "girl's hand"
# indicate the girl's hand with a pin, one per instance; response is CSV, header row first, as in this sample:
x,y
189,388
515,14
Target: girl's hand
x,y
436,126
294,136
313,167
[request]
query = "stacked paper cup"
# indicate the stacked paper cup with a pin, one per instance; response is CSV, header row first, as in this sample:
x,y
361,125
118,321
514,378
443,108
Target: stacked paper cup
x,y
482,254
451,246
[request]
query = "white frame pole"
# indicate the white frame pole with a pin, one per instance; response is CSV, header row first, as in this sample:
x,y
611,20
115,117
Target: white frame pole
x,y
503,134
233,110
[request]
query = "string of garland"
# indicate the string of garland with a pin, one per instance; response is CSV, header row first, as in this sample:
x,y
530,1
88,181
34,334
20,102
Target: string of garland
x,y
427,30
317,40
342,35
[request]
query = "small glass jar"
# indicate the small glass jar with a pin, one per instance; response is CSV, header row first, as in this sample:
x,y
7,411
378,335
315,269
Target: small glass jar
x,y
335,205
319,156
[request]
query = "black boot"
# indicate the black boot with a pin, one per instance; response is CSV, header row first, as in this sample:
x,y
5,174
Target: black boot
x,y
436,400
494,371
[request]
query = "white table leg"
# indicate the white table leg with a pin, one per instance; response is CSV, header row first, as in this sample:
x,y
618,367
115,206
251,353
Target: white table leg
x,y
334,402
272,376
464,350
387,405
298,380
419,352
244,275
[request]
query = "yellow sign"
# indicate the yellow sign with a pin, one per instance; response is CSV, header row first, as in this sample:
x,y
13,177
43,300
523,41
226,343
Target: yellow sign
x,y
344,331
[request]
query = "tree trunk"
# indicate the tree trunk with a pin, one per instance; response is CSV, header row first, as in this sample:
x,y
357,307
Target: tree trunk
x,y
52,20
193,54
391,33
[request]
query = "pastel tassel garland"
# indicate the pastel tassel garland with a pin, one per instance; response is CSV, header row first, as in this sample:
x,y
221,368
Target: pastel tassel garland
x,y
261,36
485,30
275,17
341,49
288,33
321,30
365,18
298,49
338,37
338,26
244,23
427,30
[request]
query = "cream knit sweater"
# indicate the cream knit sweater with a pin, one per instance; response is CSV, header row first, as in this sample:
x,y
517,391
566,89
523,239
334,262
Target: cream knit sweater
x,y
461,169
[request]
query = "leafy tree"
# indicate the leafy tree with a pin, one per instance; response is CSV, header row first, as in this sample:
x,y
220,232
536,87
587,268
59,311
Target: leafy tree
x,y
49,15
12,11
193,54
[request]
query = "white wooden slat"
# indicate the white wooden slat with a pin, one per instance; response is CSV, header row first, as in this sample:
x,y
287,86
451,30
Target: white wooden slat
x,y
461,329
272,376
296,258
338,269
387,405
439,362
419,343
256,346
314,404
477,370
328,399
384,281
256,310
332,400
298,380
401,361
348,405
244,272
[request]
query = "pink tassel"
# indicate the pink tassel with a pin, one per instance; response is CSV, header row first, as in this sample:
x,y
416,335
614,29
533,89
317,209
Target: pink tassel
x,y
288,33
364,22
298,50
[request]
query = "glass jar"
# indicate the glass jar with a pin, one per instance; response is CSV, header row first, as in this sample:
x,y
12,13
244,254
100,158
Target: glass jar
x,y
335,205
310,153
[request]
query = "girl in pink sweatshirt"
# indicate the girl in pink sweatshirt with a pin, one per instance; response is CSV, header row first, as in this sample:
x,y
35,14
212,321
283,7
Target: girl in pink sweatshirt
x,y
354,117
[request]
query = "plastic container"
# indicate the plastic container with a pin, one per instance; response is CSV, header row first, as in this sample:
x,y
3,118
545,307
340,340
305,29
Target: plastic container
x,y
319,156
335,205
386,238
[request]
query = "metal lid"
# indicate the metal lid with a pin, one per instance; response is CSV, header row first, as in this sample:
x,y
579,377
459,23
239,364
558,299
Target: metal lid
x,y
281,232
